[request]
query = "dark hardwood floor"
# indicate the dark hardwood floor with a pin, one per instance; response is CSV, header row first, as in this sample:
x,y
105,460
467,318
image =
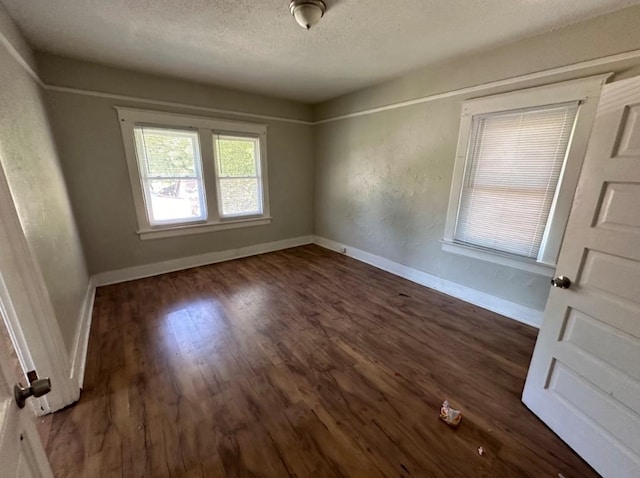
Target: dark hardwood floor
x,y
300,363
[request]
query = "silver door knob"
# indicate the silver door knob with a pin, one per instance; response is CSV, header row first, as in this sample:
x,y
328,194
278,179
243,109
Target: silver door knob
x,y
38,388
561,281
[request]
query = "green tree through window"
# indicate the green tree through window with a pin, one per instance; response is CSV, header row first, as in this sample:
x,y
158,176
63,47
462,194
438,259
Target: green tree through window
x,y
169,154
238,174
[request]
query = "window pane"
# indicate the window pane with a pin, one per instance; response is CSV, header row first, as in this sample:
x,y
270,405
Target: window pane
x,y
240,196
239,181
513,167
171,172
169,153
175,199
236,156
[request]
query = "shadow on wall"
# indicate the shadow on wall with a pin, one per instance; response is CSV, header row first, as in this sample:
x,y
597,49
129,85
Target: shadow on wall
x,y
396,194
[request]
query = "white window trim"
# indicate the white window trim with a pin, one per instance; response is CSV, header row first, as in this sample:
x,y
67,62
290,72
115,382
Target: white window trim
x,y
587,92
206,127
217,160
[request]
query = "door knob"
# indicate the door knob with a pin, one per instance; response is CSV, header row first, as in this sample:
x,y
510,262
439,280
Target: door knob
x,y
561,281
38,388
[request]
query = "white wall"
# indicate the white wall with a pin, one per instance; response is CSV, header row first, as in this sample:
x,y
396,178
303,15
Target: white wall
x,y
30,162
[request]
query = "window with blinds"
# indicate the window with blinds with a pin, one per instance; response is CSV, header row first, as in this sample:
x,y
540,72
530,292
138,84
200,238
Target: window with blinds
x,y
171,174
514,162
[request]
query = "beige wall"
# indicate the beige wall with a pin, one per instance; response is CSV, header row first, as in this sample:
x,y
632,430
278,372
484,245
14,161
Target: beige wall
x,y
95,168
66,72
30,161
382,180
13,39
606,35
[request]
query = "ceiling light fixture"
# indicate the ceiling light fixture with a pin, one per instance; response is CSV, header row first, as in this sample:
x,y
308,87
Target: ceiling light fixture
x,y
307,12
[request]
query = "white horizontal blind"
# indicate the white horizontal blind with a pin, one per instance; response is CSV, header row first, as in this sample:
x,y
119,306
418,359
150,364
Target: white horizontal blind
x,y
170,168
514,162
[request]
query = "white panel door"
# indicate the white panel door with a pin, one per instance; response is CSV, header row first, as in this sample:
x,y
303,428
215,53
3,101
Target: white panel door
x,y
584,379
21,452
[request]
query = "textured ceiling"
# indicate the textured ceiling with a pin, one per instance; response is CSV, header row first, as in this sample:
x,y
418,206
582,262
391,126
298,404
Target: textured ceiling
x,y
256,45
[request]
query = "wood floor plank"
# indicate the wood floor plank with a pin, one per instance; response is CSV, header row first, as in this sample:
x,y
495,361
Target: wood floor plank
x,y
301,363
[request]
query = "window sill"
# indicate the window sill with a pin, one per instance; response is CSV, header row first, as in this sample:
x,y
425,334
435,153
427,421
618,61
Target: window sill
x,y
188,229
497,258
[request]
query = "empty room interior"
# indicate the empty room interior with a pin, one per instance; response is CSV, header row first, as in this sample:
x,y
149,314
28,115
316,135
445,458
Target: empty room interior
x,y
339,238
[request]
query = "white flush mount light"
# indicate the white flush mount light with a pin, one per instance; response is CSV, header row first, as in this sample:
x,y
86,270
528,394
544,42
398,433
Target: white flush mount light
x,y
307,12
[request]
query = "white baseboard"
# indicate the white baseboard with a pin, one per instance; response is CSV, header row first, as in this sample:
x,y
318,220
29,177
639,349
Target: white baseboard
x,y
504,307
498,305
81,340
149,270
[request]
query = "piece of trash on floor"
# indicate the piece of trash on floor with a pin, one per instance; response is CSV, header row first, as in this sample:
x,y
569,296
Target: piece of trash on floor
x,y
480,451
449,415
560,475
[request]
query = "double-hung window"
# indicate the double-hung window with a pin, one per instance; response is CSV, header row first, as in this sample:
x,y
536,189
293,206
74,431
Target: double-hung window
x,y
517,166
170,167
238,172
193,174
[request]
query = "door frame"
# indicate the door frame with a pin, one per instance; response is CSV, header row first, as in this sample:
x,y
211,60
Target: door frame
x,y
28,311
